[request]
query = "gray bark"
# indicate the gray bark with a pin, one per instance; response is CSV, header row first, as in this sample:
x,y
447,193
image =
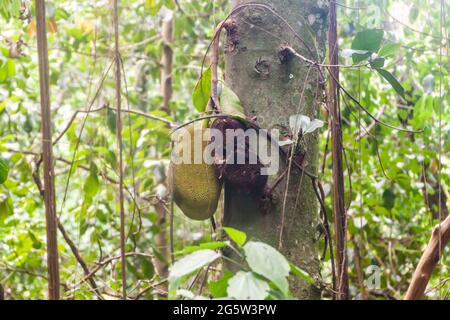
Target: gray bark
x,y
272,91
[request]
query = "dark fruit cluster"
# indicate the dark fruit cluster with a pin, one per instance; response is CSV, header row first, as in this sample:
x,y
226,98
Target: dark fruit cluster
x,y
247,176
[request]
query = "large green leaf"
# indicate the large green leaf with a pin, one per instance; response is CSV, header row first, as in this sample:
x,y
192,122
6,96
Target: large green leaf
x,y
246,286
367,40
389,49
202,91
219,288
393,81
237,236
269,263
4,170
192,262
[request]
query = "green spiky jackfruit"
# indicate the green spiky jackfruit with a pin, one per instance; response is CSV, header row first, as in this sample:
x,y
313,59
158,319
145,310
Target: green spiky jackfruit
x,y
194,185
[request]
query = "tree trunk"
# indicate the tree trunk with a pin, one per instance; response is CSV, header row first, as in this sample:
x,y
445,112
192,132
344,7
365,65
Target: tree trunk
x,y
161,265
272,88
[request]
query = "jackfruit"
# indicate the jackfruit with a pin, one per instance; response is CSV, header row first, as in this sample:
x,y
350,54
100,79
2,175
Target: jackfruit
x,y
192,180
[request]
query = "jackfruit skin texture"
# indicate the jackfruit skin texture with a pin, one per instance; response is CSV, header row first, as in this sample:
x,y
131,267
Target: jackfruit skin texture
x,y
195,188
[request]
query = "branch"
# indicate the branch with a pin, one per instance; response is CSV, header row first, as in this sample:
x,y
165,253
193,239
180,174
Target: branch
x,y
106,261
371,125
106,106
433,252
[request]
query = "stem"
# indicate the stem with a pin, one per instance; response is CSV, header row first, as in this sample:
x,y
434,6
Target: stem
x,y
120,147
340,219
47,155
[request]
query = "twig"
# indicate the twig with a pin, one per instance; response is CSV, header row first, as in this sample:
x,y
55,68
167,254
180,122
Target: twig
x,y
106,261
367,111
371,125
66,187
315,63
106,106
153,286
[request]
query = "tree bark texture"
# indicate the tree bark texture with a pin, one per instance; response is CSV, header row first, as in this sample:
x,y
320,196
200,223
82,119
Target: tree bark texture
x,y
272,87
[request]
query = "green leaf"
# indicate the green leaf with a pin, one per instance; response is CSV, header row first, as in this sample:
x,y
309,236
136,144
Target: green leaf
x,y
423,111
4,170
230,103
237,236
6,209
191,263
36,243
301,273
9,8
11,67
393,81
389,49
208,245
367,40
246,286
377,63
153,6
269,263
219,288
388,199
111,120
91,185
202,91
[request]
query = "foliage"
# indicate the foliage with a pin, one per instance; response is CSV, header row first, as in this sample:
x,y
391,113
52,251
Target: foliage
x,y
393,177
262,272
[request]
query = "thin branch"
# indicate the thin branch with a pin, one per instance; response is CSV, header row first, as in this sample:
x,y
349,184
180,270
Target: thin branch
x,y
106,106
331,66
315,63
348,94
106,261
371,125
